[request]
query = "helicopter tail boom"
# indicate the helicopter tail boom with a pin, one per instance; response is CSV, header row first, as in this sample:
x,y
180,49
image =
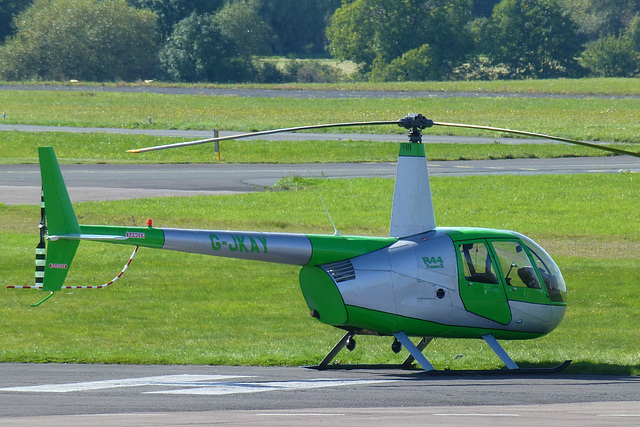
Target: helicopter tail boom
x,y
61,235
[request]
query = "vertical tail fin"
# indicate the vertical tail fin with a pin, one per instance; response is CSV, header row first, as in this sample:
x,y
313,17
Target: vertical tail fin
x,y
412,210
60,233
59,219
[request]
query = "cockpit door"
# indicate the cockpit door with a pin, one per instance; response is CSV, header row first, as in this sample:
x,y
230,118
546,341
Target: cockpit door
x,y
480,289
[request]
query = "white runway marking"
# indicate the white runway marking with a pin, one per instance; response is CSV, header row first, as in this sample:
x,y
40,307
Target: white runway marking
x,y
257,387
162,380
620,415
476,415
303,414
191,385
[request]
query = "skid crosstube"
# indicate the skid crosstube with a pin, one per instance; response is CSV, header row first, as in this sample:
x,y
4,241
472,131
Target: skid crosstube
x,y
415,351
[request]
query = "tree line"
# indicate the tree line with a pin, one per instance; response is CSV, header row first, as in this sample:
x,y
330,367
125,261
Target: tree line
x,y
388,40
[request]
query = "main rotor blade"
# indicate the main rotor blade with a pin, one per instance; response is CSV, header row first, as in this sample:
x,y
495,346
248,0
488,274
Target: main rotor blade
x,y
406,122
264,132
541,135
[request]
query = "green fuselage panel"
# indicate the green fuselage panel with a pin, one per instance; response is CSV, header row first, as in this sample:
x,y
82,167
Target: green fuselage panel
x,y
387,324
485,299
322,296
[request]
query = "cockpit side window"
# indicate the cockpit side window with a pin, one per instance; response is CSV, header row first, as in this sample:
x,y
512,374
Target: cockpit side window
x,y
476,263
516,266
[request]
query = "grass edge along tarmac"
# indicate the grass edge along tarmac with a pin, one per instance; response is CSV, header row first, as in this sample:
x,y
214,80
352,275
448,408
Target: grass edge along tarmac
x,y
174,308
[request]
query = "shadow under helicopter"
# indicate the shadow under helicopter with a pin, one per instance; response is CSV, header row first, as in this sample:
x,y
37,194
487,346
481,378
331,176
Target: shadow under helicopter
x,y
538,369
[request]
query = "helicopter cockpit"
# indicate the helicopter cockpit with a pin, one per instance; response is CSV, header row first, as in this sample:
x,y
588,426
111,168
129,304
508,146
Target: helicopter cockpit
x,y
515,267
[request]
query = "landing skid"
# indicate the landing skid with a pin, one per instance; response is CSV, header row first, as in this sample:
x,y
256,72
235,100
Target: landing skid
x,y
445,372
519,371
415,354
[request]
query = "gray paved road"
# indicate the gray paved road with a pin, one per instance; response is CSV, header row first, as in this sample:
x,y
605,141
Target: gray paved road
x,y
20,184
195,394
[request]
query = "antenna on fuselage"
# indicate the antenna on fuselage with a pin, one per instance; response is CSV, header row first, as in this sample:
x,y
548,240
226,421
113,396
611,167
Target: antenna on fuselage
x,y
335,229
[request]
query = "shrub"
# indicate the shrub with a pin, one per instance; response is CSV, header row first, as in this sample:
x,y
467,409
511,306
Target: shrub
x,y
81,39
612,57
311,72
415,65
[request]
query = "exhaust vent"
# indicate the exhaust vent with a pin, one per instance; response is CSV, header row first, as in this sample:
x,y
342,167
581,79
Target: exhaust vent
x,y
341,271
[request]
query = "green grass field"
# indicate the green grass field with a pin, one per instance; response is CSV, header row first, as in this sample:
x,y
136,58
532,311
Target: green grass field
x,y
593,119
181,308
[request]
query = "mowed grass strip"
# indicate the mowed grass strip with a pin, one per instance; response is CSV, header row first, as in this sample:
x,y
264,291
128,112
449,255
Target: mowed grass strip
x,y
180,308
593,119
583,86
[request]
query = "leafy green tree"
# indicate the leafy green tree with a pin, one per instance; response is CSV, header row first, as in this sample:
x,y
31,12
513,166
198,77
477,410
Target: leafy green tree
x,y
534,38
352,33
483,8
198,50
240,21
81,39
9,9
598,18
298,24
375,32
170,12
612,56
633,32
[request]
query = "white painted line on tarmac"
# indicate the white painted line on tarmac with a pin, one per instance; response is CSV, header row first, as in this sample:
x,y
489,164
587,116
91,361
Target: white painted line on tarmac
x,y
476,415
619,415
306,414
192,385
162,380
258,387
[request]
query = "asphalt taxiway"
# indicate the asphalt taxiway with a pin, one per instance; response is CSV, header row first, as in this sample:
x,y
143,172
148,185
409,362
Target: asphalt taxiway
x,y
20,184
61,394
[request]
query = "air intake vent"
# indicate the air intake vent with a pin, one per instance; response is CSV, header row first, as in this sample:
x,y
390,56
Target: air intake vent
x,y
341,271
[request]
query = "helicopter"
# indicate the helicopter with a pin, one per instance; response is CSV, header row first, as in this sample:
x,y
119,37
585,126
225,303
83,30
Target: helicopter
x,y
422,281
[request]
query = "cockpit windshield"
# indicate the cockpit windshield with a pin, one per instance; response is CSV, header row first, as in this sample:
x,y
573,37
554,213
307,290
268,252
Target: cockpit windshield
x,y
548,270
516,267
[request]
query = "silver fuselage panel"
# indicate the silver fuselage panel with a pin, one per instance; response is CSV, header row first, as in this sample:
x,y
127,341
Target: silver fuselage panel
x,y
284,248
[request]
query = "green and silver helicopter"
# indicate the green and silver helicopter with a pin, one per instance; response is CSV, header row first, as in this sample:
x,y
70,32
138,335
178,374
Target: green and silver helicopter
x,y
420,281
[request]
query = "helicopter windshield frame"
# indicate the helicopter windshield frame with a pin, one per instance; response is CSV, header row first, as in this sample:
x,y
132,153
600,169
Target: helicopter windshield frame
x,y
548,270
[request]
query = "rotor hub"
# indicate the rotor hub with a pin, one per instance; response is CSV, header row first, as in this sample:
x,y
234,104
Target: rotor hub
x,y
415,123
